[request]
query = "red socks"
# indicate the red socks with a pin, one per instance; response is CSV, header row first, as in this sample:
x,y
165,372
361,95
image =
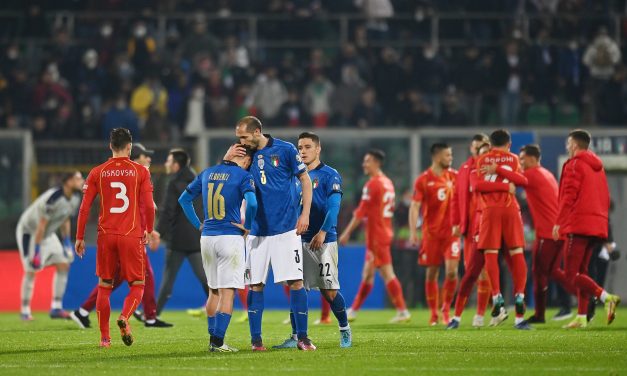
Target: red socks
x,y
103,310
492,268
362,294
483,296
519,272
431,292
587,286
325,309
243,297
395,292
449,293
132,300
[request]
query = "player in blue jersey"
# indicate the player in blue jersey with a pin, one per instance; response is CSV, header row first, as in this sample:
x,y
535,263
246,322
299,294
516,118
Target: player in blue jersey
x,y
320,240
275,236
223,188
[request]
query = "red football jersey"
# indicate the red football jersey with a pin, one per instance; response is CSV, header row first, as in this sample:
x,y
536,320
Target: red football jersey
x,y
506,160
377,207
125,192
542,193
435,193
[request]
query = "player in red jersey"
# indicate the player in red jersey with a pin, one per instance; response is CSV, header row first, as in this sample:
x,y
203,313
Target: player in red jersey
x,y
124,187
501,224
377,209
463,220
583,210
433,191
541,190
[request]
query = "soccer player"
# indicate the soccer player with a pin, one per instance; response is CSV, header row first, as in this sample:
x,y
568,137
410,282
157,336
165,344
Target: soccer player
x,y
433,190
501,223
143,156
274,239
463,217
124,187
40,246
223,188
320,258
583,210
377,209
542,190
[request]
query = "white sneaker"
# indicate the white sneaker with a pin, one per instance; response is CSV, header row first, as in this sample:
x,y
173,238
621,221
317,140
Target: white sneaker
x,y
496,321
351,315
401,317
477,321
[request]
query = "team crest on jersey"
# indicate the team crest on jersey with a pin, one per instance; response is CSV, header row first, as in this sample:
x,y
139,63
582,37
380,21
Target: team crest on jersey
x,y
275,160
315,183
261,163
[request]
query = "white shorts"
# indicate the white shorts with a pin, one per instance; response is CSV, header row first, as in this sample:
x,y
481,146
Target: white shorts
x,y
224,261
51,250
321,267
283,251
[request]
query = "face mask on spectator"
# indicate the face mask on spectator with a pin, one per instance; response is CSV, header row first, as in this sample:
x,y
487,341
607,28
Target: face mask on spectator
x,y
13,53
106,30
140,31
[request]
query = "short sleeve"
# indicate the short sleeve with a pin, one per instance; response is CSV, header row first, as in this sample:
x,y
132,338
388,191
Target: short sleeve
x,y
294,161
334,184
247,184
419,193
195,187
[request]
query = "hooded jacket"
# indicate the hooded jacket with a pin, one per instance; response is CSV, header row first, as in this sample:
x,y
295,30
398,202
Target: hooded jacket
x,y
584,197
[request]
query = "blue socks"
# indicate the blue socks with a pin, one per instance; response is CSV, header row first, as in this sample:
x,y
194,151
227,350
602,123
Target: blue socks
x,y
255,313
338,306
222,323
298,305
211,325
293,322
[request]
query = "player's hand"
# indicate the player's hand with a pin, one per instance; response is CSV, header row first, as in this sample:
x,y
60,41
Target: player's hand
x,y
489,169
236,150
318,240
457,232
35,263
67,246
302,225
512,188
79,247
413,239
344,238
241,227
556,232
154,241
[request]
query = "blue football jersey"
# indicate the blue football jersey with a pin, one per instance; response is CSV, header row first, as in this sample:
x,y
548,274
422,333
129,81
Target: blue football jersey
x,y
223,188
274,169
326,181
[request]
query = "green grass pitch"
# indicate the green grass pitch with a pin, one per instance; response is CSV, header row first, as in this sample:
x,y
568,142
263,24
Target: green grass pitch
x,y
47,347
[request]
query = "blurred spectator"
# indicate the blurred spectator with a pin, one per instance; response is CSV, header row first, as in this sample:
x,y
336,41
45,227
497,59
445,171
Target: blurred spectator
x,y
92,82
218,96
49,97
149,101
376,12
178,92
64,54
105,44
40,128
510,76
35,25
415,111
317,100
141,47
452,112
198,114
470,80
612,99
542,74
388,79
346,95
267,95
88,123
303,26
431,78
120,115
571,73
200,41
234,54
11,59
292,113
350,56
368,112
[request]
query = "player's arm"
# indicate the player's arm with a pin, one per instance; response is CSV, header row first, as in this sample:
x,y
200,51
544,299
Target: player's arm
x,y
251,212
330,220
569,192
65,234
455,214
513,176
186,200
90,191
414,210
147,200
303,221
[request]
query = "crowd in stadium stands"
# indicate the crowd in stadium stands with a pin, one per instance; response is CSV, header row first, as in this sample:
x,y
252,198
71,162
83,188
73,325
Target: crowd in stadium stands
x,y
107,74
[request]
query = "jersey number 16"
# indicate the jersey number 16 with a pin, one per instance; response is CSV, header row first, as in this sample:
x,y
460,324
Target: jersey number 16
x,y
215,202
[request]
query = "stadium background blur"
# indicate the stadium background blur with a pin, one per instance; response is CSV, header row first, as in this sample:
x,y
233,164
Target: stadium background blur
x,y
397,75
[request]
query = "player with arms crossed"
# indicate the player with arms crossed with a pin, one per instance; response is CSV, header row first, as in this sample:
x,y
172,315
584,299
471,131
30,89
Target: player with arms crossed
x,y
501,223
274,239
40,246
377,208
583,210
433,191
223,188
320,240
124,187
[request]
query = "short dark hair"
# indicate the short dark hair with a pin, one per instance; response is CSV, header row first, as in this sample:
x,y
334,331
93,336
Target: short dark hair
x,y
481,137
532,150
582,137
68,175
119,138
500,137
310,135
438,147
251,122
377,154
180,156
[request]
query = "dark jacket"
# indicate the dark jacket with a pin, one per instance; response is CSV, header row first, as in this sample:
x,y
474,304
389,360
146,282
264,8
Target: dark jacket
x,y
584,197
173,225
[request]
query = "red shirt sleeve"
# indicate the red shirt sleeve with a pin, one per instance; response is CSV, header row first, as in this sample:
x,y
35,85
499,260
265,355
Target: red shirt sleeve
x,y
569,190
147,203
367,198
419,193
513,176
90,190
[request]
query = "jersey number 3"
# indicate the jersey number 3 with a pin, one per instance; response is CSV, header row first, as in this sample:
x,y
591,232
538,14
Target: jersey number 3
x,y
120,196
215,202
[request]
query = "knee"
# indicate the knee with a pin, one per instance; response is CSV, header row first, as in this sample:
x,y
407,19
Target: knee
x,y
137,283
105,282
295,285
257,288
63,267
329,295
